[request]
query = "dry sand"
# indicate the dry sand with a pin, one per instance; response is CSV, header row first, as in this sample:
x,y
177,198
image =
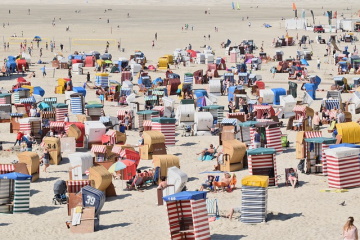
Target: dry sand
x,y
303,213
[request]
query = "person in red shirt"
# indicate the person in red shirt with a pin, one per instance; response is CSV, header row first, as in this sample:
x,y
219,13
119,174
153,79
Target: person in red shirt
x,y
19,137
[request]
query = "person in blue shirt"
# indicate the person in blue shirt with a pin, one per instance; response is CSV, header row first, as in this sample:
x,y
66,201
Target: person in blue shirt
x,y
257,139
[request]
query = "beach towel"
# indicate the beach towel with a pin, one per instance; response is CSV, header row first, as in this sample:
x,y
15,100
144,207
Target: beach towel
x,y
76,216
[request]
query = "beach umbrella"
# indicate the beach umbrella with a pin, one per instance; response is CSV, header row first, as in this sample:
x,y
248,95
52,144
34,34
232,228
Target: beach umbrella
x,y
128,162
37,38
117,167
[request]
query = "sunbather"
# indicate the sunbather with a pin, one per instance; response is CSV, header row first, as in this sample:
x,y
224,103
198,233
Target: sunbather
x,y
292,177
225,182
208,183
207,151
232,211
219,161
138,172
233,181
162,184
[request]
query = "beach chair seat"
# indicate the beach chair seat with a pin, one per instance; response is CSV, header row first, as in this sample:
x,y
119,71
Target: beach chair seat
x,y
287,182
212,207
136,183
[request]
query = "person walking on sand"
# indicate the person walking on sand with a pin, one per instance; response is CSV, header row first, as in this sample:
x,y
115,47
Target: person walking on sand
x,y
88,77
318,63
153,44
19,137
45,159
249,24
350,232
44,71
156,36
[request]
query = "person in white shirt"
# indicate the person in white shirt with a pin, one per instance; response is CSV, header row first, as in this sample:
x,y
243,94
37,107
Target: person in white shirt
x,y
340,117
66,118
33,111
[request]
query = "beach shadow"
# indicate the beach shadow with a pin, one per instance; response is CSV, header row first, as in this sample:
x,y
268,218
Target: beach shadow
x,y
188,144
190,179
282,217
60,171
104,227
82,150
64,160
110,211
302,183
177,154
227,236
42,210
4,224
49,179
122,196
33,192
289,150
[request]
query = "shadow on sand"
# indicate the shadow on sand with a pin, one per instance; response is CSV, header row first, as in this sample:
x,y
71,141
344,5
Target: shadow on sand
x,y
41,210
227,236
121,196
104,227
282,217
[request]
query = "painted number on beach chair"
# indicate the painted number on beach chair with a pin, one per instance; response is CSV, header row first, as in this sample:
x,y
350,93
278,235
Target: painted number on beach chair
x,y
90,200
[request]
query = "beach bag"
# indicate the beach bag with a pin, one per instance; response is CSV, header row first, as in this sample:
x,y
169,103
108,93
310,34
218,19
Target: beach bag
x,y
301,165
156,175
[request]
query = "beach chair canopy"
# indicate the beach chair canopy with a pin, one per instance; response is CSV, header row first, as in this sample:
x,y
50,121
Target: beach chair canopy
x,y
248,124
261,151
187,195
164,120
212,107
349,131
15,176
349,145
94,106
321,140
147,112
255,181
39,91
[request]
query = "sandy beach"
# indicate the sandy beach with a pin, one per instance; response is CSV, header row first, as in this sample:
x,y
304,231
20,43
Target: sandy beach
x,y
301,213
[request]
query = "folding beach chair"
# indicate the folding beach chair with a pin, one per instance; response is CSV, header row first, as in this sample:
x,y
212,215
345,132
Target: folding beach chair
x,y
212,207
287,182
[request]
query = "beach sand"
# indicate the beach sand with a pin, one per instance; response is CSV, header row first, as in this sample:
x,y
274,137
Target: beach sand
x,y
303,213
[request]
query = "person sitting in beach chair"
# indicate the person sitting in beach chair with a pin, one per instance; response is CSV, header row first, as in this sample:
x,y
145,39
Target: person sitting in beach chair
x,y
132,180
219,161
207,153
291,177
208,183
298,124
233,182
163,183
224,183
137,182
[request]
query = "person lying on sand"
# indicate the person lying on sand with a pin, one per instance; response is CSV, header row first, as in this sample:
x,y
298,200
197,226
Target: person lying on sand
x,y
207,151
232,211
